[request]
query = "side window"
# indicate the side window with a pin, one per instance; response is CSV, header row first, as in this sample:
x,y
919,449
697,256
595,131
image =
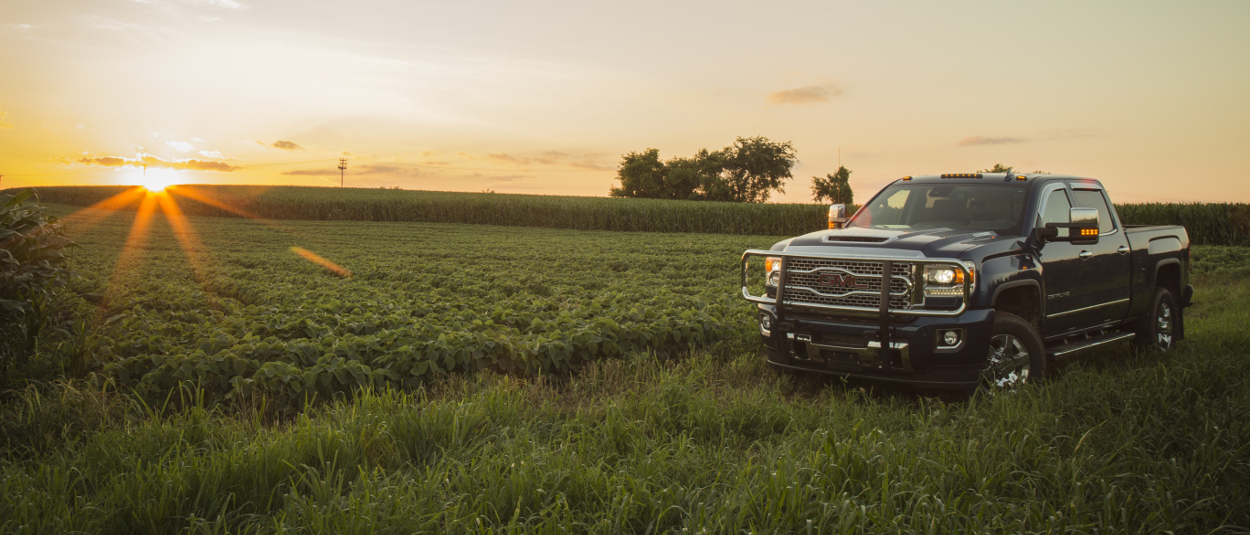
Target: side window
x,y
1093,199
890,209
1058,209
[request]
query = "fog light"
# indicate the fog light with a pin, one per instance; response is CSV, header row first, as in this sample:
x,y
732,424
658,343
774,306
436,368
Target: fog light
x,y
766,324
951,338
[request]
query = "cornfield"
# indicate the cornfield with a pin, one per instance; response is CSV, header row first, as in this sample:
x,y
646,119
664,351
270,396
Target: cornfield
x,y
1207,224
578,213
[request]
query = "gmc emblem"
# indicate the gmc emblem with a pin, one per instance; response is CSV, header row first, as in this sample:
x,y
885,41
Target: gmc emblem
x,y
841,281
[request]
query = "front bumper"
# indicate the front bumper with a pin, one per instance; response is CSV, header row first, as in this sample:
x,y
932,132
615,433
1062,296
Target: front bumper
x,y
851,347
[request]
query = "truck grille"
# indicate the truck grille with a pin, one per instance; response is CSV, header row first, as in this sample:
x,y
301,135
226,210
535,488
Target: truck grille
x,y
806,288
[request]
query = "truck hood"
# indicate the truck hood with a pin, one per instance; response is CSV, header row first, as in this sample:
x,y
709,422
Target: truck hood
x,y
927,243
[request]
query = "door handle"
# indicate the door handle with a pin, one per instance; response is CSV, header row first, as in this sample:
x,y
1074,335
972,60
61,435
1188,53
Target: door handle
x,y
1085,254
1123,249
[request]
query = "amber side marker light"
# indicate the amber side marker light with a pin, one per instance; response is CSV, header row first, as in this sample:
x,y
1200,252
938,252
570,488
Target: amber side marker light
x,y
1089,232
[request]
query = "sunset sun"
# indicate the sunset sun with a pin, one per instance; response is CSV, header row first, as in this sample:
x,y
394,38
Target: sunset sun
x,y
156,180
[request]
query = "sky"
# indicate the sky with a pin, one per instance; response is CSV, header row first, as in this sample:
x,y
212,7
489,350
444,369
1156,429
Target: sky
x,y
545,97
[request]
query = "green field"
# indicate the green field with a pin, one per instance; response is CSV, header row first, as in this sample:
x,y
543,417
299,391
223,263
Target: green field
x,y
240,312
574,381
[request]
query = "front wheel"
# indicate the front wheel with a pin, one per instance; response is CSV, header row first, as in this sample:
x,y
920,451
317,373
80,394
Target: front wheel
x,y
1156,330
1016,354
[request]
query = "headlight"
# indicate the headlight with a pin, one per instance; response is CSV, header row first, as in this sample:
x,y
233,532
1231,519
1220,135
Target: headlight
x,y
947,281
943,276
772,271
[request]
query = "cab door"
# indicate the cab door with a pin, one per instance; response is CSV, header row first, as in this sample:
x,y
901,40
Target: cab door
x,y
1061,266
1105,267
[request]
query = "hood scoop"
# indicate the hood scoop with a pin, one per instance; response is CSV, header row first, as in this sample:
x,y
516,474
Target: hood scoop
x,y
857,239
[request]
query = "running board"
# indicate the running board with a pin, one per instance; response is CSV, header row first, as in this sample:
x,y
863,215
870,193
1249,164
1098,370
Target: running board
x,y
1067,350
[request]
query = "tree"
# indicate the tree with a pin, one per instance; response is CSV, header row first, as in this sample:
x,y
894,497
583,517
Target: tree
x,y
833,188
998,168
747,171
755,166
642,175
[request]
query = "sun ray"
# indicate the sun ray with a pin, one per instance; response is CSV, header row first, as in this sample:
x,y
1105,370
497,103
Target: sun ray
x,y
192,247
195,194
90,216
323,262
128,261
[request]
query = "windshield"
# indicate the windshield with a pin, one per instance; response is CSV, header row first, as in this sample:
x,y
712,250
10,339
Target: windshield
x,y
924,206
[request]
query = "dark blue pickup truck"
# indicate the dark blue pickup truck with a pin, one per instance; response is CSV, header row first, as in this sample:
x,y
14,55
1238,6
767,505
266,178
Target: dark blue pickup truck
x,y
991,277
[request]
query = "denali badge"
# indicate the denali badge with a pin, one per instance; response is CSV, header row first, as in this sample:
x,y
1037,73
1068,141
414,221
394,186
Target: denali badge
x,y
841,281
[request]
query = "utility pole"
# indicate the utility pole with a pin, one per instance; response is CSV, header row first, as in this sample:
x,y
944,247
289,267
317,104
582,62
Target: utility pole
x,y
342,170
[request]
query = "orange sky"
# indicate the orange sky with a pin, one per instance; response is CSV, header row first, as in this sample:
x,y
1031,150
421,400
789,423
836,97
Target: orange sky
x,y
545,97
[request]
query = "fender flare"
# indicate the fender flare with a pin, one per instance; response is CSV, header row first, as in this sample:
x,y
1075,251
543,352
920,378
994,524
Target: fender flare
x,y
1016,284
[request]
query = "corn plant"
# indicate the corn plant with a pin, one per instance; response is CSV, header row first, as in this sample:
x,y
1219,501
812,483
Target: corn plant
x,y
32,272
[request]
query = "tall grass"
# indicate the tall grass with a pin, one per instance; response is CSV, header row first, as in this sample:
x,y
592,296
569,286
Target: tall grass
x,y
1118,443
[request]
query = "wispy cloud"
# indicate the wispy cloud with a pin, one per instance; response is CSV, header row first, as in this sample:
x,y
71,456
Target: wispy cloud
x,y
367,169
4,122
152,161
113,24
987,140
286,145
550,158
180,146
1070,133
227,4
211,154
811,94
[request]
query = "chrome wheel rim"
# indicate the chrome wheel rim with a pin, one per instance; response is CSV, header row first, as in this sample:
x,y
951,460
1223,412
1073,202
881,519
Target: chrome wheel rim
x,y
1163,326
1008,361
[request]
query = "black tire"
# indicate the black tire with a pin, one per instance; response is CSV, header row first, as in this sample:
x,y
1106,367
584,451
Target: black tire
x,y
1156,329
1016,353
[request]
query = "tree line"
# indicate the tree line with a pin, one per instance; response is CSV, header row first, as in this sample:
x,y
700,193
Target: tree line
x,y
749,170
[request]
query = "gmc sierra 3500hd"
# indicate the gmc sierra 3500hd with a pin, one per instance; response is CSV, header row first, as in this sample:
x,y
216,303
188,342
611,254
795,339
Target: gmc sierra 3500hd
x,y
992,276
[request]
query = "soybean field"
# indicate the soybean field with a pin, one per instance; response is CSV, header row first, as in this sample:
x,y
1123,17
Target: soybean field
x,y
305,310
230,375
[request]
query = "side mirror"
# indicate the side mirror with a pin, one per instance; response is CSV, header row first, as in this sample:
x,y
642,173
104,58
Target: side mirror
x,y
1082,228
837,216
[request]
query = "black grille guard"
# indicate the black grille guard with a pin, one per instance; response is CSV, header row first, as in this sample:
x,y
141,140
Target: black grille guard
x,y
884,311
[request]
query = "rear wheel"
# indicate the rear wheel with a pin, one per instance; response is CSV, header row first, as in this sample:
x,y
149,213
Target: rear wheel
x,y
1016,354
1156,330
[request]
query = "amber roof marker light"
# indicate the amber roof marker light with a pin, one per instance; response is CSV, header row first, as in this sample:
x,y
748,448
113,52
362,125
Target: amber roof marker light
x,y
961,175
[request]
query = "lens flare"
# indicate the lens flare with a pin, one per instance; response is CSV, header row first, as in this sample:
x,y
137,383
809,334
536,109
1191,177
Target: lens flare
x,y
321,261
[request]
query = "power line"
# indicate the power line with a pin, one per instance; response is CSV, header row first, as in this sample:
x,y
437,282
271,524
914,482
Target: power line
x,y
517,170
286,163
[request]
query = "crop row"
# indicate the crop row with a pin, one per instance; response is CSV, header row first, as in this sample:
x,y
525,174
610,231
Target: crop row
x,y
1207,224
364,204
245,315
